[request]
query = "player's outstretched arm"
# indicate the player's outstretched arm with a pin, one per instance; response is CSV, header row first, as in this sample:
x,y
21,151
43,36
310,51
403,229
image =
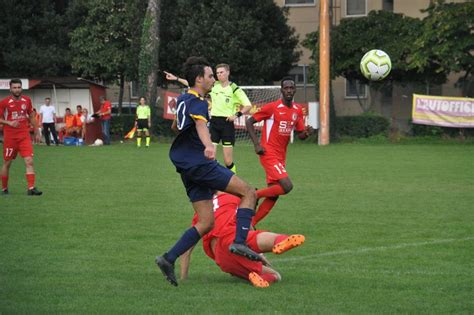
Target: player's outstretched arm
x,y
172,77
249,123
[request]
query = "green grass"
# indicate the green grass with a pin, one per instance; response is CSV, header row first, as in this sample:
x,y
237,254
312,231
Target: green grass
x,y
390,228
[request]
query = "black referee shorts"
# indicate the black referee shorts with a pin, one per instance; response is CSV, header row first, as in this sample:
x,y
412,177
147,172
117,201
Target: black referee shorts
x,y
142,124
222,130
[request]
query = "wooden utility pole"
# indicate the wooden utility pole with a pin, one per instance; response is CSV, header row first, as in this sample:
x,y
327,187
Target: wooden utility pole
x,y
324,77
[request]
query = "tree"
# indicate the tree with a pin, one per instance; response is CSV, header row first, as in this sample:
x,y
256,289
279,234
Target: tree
x,y
150,44
447,42
252,36
34,39
106,44
353,37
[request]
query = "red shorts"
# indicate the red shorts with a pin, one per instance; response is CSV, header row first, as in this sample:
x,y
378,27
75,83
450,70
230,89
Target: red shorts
x,y
237,265
274,168
13,146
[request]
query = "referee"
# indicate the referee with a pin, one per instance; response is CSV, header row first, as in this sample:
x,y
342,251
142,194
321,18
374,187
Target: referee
x,y
229,102
143,122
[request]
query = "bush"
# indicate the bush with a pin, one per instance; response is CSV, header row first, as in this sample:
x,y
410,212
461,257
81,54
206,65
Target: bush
x,y
363,126
436,131
122,124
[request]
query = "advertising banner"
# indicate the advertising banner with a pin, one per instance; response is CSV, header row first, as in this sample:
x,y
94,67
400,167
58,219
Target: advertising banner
x,y
443,111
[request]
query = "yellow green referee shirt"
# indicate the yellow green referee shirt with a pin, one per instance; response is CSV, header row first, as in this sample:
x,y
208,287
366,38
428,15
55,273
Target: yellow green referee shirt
x,y
225,100
143,112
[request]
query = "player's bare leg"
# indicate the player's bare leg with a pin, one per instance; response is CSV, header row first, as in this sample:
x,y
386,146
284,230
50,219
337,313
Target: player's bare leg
x,y
205,223
30,177
228,152
5,171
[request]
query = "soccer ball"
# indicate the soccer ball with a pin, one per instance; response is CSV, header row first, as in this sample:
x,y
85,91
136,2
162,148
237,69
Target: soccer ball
x,y
375,65
98,142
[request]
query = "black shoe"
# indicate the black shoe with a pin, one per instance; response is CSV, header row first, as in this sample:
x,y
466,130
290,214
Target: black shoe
x,y
245,251
5,192
34,192
167,269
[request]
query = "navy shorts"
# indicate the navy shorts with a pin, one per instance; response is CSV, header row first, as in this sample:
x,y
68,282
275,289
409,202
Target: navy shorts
x,y
202,181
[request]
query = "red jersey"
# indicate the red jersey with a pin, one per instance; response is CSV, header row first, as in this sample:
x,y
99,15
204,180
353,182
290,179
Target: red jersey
x,y
19,110
106,107
279,122
225,209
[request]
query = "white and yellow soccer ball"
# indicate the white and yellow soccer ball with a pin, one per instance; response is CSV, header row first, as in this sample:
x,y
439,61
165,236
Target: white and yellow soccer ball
x,y
375,65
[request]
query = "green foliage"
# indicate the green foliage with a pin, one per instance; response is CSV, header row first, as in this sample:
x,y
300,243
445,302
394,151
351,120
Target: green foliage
x,y
353,37
33,37
122,124
106,44
437,131
446,42
362,126
251,36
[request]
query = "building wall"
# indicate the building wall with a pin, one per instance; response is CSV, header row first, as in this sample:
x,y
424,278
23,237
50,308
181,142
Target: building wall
x,y
61,100
305,19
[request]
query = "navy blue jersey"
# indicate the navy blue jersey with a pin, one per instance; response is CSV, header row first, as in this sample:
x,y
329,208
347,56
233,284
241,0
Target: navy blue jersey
x,y
187,149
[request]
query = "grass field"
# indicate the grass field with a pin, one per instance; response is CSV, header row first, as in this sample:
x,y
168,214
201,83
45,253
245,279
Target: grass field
x,y
389,228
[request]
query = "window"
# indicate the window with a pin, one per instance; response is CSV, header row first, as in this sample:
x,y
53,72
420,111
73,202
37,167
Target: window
x,y
354,88
299,2
134,90
387,5
300,73
356,7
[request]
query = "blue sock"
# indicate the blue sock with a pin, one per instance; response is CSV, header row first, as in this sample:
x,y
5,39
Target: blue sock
x,y
244,218
189,238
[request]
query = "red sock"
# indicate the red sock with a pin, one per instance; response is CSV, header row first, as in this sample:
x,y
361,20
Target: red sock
x,y
263,210
272,191
269,277
4,182
280,238
30,178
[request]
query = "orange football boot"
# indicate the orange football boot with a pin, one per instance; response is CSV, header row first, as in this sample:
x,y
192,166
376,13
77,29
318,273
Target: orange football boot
x,y
291,242
257,281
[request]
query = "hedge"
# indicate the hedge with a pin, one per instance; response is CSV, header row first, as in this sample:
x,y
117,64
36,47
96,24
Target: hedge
x,y
363,126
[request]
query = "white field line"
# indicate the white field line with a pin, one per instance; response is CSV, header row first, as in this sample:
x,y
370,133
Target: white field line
x,y
372,249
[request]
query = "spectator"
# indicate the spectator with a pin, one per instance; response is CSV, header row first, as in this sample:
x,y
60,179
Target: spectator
x,y
68,129
104,114
48,118
86,119
78,121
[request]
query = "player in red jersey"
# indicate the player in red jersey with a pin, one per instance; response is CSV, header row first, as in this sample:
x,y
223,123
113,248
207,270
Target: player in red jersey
x,y
216,245
280,119
16,114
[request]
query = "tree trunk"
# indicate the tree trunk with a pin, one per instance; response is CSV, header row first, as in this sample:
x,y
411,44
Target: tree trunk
x,y
148,64
120,100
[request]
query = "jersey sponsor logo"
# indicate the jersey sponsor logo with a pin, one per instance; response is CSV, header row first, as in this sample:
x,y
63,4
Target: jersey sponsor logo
x,y
285,127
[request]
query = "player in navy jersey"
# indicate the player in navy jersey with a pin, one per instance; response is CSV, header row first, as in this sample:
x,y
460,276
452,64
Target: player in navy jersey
x,y
193,155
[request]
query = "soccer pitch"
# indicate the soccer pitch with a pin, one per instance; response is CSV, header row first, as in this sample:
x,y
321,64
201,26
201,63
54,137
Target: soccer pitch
x,y
389,229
